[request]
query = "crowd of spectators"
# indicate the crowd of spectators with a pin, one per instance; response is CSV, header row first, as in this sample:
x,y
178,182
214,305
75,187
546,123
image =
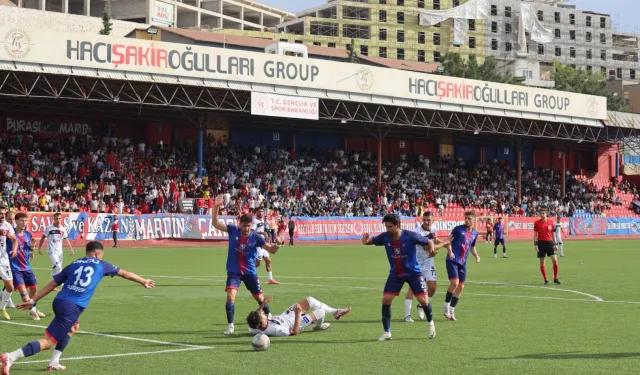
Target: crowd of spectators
x,y
109,174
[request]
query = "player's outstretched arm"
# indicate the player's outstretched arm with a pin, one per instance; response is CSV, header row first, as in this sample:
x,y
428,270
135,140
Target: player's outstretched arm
x,y
149,284
40,245
297,309
218,202
71,252
267,300
439,244
40,295
366,240
270,247
474,251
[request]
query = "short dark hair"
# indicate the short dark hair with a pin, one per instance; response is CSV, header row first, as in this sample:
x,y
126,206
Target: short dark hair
x,y
254,319
391,218
246,218
470,213
21,215
94,246
427,213
57,214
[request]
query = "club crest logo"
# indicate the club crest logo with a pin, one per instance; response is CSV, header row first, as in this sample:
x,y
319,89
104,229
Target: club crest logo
x,y
17,44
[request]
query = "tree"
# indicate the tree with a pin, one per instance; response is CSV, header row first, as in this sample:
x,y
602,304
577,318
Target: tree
x,y
106,22
454,66
353,55
582,82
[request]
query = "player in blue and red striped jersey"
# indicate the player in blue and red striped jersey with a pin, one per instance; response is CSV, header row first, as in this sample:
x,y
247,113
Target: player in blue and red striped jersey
x,y
80,279
463,241
23,277
241,260
498,234
401,251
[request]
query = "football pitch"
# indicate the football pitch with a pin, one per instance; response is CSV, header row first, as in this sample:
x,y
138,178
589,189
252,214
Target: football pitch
x,y
508,321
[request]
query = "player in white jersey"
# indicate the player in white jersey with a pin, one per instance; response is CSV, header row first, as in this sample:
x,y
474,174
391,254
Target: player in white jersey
x,y
6,231
557,236
427,264
295,319
55,233
259,227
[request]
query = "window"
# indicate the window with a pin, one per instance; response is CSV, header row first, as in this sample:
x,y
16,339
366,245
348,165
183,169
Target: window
x,y
507,28
603,55
317,43
619,73
588,21
472,25
494,27
400,17
572,34
298,41
494,44
364,50
540,16
572,52
572,19
632,74
436,4
348,47
456,3
284,40
556,32
400,54
508,47
436,56
558,51
400,36
603,70
382,34
436,39
383,1
572,66
472,42
494,10
420,3
421,56
382,52
603,38
540,49
382,15
589,68
401,3
587,36
421,37
507,11
331,45
556,17
589,54
603,22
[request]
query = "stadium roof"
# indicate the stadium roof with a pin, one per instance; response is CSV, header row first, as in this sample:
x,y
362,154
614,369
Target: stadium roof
x,y
623,120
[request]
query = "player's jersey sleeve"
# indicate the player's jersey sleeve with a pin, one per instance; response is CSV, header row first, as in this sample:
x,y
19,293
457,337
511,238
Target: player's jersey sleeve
x,y
378,240
47,231
535,226
109,269
455,233
11,232
64,233
277,330
231,228
61,277
475,237
418,239
260,241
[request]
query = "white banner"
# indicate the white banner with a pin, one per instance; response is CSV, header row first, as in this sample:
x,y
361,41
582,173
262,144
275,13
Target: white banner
x,y
263,104
162,13
195,61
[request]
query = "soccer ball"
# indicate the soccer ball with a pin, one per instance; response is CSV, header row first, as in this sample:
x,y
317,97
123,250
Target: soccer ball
x,y
260,342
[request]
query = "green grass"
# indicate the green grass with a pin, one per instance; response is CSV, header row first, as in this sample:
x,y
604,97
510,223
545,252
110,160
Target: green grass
x,y
515,327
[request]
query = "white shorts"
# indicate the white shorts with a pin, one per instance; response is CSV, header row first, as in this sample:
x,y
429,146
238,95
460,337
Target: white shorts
x,y
55,258
5,272
262,253
429,269
290,316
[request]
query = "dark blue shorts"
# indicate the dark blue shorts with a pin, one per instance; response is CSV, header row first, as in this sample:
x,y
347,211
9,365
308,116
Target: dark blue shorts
x,y
24,278
498,241
66,316
456,271
251,281
417,283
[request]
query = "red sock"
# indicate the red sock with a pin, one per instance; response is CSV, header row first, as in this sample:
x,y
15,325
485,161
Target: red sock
x,y
555,271
543,269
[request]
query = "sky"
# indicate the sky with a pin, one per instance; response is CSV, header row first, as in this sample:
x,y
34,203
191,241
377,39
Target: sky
x,y
623,14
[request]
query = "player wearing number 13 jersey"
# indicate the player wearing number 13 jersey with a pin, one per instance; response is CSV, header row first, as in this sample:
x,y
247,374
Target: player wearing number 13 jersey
x,y
80,278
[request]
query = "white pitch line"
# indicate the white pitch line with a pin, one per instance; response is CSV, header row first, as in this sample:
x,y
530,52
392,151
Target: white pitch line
x,y
117,336
115,355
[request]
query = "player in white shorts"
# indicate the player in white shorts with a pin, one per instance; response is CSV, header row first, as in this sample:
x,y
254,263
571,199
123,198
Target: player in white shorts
x,y
55,233
259,227
6,231
295,319
557,236
427,264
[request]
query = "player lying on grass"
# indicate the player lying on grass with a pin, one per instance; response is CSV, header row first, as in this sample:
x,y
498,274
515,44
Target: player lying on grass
x,y
295,319
80,278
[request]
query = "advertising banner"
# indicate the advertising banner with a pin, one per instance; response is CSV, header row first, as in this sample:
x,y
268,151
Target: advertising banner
x,y
162,14
255,68
586,226
284,106
623,226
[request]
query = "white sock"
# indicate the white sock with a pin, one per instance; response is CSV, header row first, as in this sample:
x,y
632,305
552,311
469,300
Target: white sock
x,y
55,358
14,356
315,304
269,275
231,325
407,307
5,299
319,314
33,310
